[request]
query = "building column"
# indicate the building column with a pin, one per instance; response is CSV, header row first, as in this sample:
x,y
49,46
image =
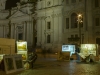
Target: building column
x,y
12,30
56,30
28,32
24,31
31,32
4,31
39,31
28,37
15,31
60,27
43,31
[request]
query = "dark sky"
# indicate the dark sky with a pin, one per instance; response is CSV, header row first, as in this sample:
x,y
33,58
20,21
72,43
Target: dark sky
x,y
11,3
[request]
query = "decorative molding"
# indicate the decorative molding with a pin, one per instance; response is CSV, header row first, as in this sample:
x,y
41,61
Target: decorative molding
x,y
43,17
19,28
48,33
2,25
56,15
97,33
51,16
60,14
97,12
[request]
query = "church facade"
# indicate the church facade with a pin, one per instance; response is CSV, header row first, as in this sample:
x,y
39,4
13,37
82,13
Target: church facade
x,y
62,22
57,22
17,23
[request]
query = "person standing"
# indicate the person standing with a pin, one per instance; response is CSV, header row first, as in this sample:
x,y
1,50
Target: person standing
x,y
44,52
91,56
32,59
77,53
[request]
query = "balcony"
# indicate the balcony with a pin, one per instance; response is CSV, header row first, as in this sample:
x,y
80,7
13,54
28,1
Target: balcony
x,y
73,39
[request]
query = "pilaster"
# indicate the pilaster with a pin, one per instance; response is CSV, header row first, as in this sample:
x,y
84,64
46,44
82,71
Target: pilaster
x,y
12,30
24,31
56,28
60,16
39,31
43,30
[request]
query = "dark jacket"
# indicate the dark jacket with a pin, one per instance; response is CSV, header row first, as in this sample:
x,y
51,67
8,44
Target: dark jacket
x,y
32,57
77,50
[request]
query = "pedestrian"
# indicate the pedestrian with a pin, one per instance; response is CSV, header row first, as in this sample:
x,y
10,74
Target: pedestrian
x,y
77,53
44,52
91,56
99,56
2,67
49,52
32,59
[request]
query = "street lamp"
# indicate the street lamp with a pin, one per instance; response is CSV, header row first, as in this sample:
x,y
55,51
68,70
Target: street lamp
x,y
79,25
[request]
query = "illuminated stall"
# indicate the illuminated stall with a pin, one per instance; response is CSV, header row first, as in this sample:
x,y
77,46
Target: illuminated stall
x,y
87,49
22,49
68,48
66,53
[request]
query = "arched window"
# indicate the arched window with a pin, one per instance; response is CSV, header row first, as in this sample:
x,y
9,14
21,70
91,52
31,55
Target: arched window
x,y
74,23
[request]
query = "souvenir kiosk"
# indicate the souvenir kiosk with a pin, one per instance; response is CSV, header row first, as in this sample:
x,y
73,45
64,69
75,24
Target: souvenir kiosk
x,y
66,52
22,49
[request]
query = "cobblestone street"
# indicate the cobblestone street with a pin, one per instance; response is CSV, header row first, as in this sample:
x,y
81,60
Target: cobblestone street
x,y
50,66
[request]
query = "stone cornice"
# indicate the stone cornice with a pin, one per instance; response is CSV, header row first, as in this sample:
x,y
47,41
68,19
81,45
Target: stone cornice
x,y
57,8
4,21
97,11
97,33
20,19
51,16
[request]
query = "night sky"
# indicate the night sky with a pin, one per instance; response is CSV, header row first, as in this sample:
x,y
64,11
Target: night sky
x,y
11,3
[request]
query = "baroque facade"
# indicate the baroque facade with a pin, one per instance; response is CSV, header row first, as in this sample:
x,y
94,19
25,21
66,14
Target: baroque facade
x,y
57,22
17,23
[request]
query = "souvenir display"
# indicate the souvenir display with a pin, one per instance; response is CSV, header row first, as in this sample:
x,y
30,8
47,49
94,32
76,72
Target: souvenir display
x,y
87,49
22,49
68,48
13,63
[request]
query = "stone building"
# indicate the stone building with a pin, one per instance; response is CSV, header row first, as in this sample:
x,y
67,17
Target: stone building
x,y
17,23
58,22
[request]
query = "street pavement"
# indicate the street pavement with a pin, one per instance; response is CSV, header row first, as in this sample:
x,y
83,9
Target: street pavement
x,y
49,65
